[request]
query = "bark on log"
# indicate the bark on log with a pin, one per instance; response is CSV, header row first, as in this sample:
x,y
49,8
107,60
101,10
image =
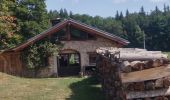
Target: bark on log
x,y
157,63
166,82
147,99
148,64
144,75
137,65
148,94
149,85
126,67
159,83
139,86
134,54
165,98
129,86
158,98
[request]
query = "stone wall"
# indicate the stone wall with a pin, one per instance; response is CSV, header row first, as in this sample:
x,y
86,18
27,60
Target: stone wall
x,y
88,46
11,62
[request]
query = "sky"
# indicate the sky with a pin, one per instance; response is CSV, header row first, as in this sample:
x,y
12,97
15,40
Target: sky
x,y
105,8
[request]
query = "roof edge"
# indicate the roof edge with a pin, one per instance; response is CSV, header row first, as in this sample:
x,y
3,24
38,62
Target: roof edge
x,y
62,23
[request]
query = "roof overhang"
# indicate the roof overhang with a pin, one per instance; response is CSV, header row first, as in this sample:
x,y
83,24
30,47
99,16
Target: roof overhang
x,y
74,23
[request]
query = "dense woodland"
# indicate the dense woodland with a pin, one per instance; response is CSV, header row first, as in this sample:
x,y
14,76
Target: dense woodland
x,y
22,19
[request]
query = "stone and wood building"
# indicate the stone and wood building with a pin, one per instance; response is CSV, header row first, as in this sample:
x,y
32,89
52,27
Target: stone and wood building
x,y
80,44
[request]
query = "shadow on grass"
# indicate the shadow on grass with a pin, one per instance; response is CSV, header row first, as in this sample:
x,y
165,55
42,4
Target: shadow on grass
x,y
87,89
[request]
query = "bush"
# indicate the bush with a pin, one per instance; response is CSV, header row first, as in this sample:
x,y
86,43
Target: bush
x,y
36,56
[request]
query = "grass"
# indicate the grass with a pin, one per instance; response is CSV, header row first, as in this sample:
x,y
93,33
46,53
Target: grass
x,y
16,88
168,54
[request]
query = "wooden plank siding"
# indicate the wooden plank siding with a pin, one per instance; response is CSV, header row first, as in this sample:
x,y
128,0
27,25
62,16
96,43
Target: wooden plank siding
x,y
11,63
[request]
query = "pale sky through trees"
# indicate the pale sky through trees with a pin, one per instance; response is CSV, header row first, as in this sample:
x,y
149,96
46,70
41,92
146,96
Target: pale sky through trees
x,y
105,8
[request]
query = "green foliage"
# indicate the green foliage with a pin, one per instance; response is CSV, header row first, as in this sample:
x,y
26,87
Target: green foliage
x,y
20,20
8,28
72,60
32,17
168,54
36,55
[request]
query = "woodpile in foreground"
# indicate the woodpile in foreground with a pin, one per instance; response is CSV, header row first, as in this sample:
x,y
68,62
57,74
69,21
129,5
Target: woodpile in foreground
x,y
144,75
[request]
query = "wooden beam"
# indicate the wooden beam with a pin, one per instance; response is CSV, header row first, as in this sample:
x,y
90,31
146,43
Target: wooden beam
x,y
145,75
94,32
132,54
40,36
68,31
146,94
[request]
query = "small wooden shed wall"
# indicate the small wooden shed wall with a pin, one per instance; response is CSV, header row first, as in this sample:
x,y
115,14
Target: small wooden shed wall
x,y
10,62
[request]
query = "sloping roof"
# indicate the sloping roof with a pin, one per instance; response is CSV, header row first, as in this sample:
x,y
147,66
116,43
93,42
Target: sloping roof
x,y
72,22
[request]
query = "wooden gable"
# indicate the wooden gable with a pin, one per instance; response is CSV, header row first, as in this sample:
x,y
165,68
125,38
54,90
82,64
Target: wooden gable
x,y
66,25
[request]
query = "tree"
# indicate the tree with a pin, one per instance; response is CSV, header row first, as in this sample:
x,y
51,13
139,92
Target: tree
x,y
127,13
53,14
121,15
31,17
117,15
133,32
8,38
71,14
142,11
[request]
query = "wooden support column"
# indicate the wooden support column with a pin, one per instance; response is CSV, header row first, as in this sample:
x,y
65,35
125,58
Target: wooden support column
x,y
68,32
55,66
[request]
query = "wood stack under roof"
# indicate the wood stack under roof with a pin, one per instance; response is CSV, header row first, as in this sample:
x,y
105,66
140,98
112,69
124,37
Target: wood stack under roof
x,y
145,74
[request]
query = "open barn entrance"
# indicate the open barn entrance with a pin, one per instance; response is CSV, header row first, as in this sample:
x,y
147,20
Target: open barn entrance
x,y
69,63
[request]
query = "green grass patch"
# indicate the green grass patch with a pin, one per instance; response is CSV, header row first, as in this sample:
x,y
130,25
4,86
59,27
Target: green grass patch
x,y
72,88
168,54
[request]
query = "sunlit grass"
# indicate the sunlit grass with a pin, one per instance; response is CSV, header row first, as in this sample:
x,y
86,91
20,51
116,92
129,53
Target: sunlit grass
x,y
168,54
72,88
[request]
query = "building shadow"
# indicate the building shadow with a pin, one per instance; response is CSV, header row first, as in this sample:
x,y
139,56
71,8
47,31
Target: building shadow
x,y
87,89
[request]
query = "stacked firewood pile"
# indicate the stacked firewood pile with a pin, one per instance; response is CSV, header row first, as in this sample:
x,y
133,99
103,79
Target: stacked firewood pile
x,y
110,79
145,75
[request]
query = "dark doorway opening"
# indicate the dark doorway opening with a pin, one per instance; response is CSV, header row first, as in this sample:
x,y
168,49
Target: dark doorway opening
x,y
69,64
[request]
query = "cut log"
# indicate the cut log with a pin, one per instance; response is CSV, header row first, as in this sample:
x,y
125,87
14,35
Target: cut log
x,y
132,54
145,75
157,63
158,98
161,98
126,67
147,99
166,61
139,86
129,86
148,64
166,82
149,85
159,83
137,65
139,99
165,98
148,94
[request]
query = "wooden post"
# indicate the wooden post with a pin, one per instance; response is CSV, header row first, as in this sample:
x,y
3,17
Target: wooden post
x,y
55,66
68,32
